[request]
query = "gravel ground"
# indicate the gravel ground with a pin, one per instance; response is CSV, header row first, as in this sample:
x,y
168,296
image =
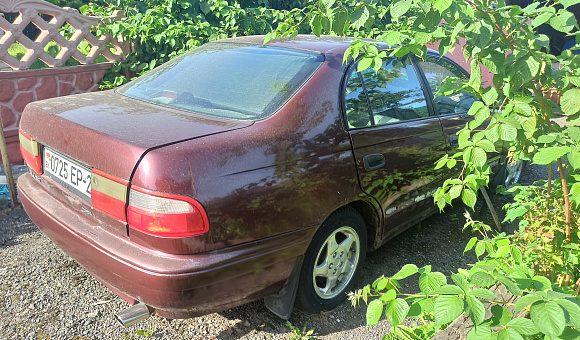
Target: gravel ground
x,y
45,295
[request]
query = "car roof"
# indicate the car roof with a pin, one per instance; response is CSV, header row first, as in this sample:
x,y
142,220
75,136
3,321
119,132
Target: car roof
x,y
325,44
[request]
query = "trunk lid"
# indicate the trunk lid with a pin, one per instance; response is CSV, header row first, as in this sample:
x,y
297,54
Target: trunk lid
x,y
110,132
106,133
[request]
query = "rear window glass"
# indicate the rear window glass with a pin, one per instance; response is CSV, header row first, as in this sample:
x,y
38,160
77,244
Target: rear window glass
x,y
228,80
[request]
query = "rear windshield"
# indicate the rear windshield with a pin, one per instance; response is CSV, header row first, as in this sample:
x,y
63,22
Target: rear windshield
x,y
228,80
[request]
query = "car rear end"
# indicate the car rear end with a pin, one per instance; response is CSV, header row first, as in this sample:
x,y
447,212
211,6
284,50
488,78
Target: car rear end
x,y
82,152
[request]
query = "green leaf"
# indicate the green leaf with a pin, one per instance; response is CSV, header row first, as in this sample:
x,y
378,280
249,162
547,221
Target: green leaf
x,y
399,8
396,311
489,96
482,279
316,25
507,132
514,213
570,101
563,22
479,34
492,133
374,312
388,296
572,310
523,326
392,38
406,271
501,316
364,63
475,108
482,293
550,154
469,197
549,317
449,290
480,333
487,145
525,301
447,308
508,334
479,249
546,139
541,19
541,283
568,3
569,334
575,193
475,78
428,281
526,68
442,5
360,17
470,244
523,107
478,156
327,3
475,309
205,7
573,158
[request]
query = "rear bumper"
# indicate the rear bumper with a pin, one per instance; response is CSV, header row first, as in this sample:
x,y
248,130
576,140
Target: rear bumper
x,y
177,286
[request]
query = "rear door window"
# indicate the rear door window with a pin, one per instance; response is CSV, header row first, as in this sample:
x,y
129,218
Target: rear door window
x,y
394,95
436,70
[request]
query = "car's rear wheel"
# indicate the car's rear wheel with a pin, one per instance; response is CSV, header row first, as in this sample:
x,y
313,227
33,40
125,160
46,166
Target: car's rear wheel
x,y
332,262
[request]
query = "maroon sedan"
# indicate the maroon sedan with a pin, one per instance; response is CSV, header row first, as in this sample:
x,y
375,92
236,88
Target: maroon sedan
x,y
240,171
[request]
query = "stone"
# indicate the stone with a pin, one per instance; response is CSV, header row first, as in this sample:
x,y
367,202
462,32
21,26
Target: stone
x,y
7,116
98,75
21,100
66,77
47,89
6,90
84,81
26,83
65,89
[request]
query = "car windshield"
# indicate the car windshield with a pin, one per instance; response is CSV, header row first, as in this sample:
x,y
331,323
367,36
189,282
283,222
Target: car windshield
x,y
228,80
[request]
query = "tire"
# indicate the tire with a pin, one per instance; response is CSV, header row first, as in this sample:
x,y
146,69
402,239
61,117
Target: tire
x,y
332,262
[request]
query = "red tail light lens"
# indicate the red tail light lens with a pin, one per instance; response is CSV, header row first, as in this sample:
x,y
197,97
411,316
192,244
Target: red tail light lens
x,y
30,150
165,215
109,194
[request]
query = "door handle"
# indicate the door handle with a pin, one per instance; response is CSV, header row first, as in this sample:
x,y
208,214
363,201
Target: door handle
x,y
374,161
453,140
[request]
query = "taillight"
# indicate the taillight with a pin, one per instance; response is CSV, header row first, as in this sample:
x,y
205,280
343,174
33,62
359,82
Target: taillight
x,y
30,150
165,215
109,194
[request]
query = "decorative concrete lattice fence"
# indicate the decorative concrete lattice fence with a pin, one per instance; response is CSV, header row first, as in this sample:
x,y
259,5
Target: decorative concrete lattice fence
x,y
20,86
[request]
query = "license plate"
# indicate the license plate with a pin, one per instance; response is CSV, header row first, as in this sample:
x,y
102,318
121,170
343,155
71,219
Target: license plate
x,y
68,172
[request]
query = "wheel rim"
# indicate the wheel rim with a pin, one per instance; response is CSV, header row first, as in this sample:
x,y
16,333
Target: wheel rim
x,y
336,262
513,173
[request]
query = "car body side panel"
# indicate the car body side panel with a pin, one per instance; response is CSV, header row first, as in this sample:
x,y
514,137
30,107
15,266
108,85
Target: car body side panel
x,y
286,172
408,178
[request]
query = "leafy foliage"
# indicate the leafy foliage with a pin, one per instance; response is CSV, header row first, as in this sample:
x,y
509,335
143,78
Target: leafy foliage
x,y
515,116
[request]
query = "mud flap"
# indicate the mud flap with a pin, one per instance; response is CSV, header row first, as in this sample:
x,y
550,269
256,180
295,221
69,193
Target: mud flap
x,y
282,303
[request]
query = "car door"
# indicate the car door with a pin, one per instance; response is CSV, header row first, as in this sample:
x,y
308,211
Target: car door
x,y
452,109
396,139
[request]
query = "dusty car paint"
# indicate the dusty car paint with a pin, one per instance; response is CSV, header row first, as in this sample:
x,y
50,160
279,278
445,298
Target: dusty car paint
x,y
266,185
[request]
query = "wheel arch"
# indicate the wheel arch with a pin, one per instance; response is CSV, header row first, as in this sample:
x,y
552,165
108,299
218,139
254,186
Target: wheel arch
x,y
372,220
